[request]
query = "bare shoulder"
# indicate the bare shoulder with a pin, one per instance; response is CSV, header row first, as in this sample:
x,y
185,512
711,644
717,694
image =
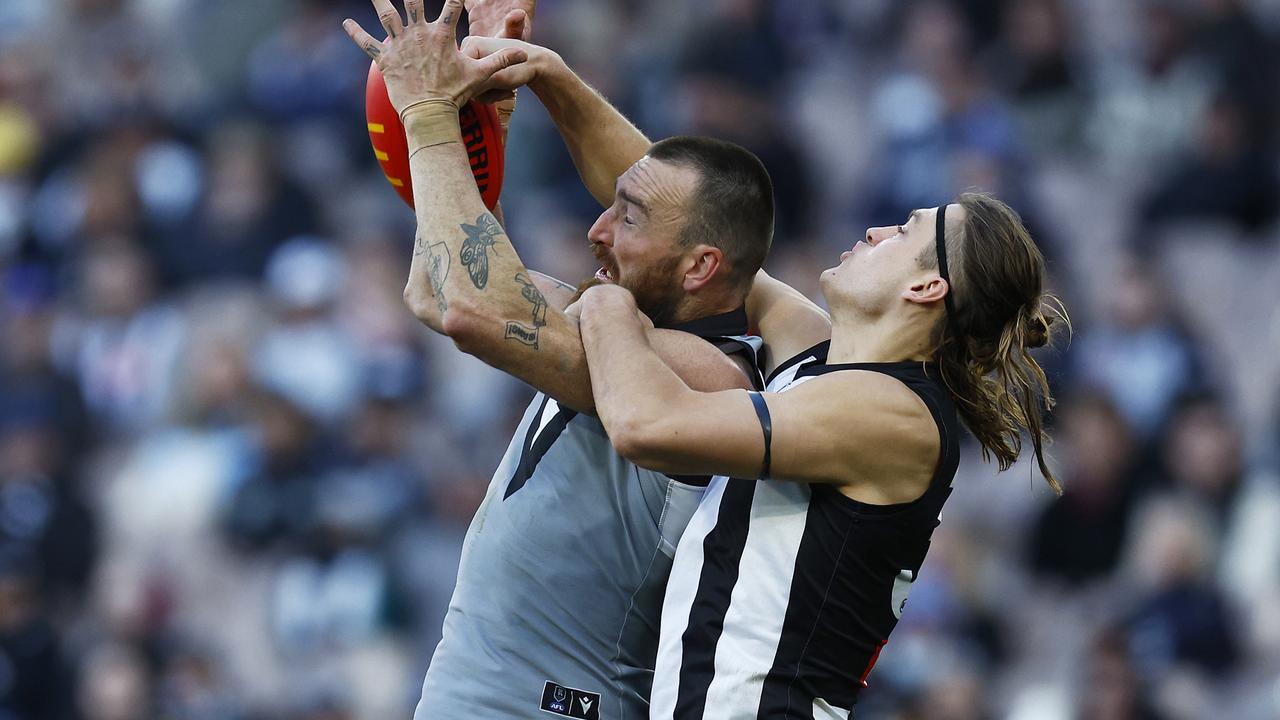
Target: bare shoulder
x,y
877,436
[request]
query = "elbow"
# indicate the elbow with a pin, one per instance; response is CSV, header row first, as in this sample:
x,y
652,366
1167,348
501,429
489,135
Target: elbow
x,y
419,302
639,440
463,326
423,306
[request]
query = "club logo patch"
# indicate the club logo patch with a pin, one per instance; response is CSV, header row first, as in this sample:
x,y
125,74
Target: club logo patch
x,y
570,702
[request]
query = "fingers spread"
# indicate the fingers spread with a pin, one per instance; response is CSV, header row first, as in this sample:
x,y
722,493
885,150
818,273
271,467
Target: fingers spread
x,y
449,15
413,8
389,17
371,47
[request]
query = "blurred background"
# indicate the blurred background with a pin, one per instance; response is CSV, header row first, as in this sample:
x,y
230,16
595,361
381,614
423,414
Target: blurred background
x,y
235,473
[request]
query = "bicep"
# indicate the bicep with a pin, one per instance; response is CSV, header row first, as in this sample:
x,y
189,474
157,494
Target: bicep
x,y
789,322
722,434
831,430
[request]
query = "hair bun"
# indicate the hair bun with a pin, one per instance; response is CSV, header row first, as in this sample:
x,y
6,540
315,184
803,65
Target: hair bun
x,y
1036,329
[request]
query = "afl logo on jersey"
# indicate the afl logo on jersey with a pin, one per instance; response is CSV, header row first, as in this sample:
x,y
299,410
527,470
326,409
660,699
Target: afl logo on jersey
x,y
570,702
901,586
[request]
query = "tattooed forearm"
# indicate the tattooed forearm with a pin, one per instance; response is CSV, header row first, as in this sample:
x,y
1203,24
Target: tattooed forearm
x,y
438,270
519,331
437,267
475,249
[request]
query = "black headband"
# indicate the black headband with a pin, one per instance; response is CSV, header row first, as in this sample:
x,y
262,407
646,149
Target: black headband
x,y
940,239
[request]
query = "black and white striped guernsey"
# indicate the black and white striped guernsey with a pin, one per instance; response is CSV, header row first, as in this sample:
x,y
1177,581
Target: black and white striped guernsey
x,y
783,593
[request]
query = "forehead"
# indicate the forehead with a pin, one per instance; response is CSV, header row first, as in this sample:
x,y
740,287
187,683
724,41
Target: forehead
x,y
658,184
924,222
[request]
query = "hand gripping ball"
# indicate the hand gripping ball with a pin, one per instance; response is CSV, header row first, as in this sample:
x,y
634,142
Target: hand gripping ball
x,y
481,134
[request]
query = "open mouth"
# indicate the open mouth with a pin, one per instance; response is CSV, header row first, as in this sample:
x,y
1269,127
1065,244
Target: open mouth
x,y
605,275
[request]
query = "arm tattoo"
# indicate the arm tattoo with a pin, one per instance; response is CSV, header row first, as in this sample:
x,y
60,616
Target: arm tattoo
x,y
519,331
475,249
438,270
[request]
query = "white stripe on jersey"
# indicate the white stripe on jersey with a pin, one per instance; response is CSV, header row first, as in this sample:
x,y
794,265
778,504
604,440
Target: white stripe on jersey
x,y
746,646
737,641
675,610
548,413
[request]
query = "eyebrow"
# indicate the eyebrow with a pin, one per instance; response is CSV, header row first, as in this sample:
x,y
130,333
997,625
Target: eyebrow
x,y
644,207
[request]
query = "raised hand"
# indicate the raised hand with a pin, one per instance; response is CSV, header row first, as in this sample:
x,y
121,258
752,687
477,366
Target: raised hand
x,y
502,84
420,60
501,18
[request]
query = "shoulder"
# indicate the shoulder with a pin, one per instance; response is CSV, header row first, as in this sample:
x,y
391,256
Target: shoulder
x,y
876,431
864,397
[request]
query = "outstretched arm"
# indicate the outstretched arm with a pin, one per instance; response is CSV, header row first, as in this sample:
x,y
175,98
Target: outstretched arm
x,y
485,298
818,435
601,141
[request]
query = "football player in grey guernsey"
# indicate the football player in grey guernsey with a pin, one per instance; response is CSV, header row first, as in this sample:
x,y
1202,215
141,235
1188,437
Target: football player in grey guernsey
x,y
563,569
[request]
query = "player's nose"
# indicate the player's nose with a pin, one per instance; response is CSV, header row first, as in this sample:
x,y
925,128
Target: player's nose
x,y
876,234
600,233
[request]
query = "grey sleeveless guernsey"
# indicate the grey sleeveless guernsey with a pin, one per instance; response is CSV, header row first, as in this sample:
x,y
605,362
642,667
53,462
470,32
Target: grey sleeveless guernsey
x,y
563,571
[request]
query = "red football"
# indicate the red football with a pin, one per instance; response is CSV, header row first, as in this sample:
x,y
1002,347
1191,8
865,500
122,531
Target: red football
x,y
480,132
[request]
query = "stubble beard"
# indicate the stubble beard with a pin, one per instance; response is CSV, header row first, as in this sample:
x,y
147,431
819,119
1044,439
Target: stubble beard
x,y
656,289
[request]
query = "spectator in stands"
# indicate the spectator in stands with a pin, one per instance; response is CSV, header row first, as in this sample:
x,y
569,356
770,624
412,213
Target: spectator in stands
x,y
1138,353
1079,537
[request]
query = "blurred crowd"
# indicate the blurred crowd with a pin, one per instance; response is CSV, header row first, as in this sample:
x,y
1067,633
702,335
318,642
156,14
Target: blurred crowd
x,y
235,473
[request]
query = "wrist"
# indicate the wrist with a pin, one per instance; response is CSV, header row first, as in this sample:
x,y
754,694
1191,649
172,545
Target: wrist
x,y
429,122
549,70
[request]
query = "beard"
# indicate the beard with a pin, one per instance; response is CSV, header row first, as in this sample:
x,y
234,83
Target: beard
x,y
656,289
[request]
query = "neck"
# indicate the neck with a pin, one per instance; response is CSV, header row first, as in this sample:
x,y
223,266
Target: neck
x,y
881,340
695,307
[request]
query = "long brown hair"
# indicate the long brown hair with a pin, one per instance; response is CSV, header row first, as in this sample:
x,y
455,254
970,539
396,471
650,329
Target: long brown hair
x,y
1001,312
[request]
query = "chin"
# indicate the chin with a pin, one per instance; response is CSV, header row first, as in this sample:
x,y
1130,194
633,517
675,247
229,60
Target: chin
x,y
828,279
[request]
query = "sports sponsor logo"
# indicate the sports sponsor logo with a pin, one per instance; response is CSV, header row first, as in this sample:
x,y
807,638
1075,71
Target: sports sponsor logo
x,y
570,702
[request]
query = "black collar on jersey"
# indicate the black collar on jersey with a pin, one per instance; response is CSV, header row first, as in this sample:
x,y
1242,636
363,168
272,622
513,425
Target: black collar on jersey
x,y
940,240
733,322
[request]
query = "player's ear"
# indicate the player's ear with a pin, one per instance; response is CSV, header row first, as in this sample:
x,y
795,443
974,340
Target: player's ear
x,y
701,264
926,289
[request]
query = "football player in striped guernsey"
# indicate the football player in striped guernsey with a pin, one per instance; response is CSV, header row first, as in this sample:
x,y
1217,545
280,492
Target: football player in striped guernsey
x,y
785,588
